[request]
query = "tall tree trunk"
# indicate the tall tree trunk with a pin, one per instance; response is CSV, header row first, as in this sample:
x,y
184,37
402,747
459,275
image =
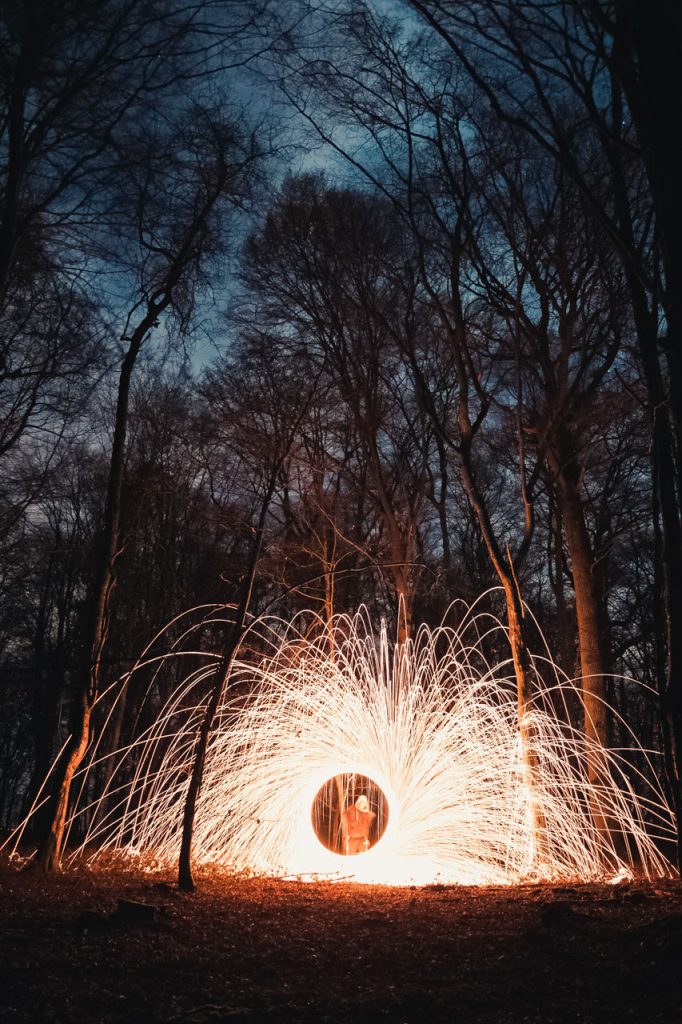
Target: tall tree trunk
x,y
236,635
329,585
401,541
671,574
337,817
505,570
646,61
523,669
555,562
523,665
588,615
441,503
666,507
405,595
49,850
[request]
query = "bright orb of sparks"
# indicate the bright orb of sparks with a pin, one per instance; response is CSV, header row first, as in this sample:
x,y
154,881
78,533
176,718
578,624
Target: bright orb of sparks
x,y
435,727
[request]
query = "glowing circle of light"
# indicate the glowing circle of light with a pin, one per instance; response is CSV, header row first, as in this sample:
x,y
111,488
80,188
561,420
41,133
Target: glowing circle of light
x,y
433,723
339,793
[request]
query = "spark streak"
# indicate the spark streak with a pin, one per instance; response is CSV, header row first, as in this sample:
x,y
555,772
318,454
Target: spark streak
x,y
432,723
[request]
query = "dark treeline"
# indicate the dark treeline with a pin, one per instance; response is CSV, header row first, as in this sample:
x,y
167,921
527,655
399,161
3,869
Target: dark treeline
x,y
449,365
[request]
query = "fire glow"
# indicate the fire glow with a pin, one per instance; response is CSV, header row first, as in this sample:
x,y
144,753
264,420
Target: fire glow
x,y
431,723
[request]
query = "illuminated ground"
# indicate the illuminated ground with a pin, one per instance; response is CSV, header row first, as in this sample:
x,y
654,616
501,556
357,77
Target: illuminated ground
x,y
271,951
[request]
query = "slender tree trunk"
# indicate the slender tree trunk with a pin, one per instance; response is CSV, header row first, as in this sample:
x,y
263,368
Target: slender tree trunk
x,y
555,561
401,536
588,615
329,588
523,669
236,635
329,598
337,817
666,503
49,850
523,666
588,618
234,640
441,503
405,596
671,572
402,553
637,58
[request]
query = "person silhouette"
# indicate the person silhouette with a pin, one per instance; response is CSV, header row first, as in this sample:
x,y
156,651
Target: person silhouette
x,y
356,822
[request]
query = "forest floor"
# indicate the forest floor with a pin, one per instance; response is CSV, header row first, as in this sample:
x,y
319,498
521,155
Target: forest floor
x,y
252,950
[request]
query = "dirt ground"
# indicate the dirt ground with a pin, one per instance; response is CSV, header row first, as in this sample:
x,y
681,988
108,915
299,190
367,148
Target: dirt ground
x,y
252,950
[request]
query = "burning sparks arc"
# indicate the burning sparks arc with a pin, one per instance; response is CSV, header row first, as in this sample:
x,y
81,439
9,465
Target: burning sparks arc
x,y
430,722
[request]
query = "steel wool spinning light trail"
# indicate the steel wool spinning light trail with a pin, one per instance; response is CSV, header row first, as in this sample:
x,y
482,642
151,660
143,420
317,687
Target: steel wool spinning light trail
x,y
431,724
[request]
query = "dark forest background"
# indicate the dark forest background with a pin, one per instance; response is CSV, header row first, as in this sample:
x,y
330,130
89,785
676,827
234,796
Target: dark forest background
x,y
401,279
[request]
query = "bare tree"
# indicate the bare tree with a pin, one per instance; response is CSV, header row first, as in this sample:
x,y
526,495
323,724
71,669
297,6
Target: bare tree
x,y
78,82
177,195
409,117
569,308
420,163
620,67
265,405
320,264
